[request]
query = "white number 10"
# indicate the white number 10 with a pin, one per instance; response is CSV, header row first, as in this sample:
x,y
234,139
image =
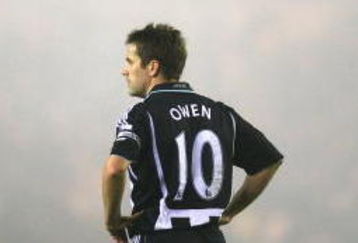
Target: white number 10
x,y
205,191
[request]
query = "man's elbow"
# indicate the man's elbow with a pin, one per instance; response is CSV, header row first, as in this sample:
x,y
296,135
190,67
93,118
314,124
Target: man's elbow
x,y
112,171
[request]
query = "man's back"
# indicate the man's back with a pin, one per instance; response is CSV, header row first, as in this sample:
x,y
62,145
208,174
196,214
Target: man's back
x,y
185,158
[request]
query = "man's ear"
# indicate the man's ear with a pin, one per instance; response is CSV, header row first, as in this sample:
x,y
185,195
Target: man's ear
x,y
154,68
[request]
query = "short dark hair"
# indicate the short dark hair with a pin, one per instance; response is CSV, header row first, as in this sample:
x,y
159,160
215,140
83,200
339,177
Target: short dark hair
x,y
160,42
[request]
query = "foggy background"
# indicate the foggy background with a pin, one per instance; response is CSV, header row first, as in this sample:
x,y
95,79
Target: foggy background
x,y
289,67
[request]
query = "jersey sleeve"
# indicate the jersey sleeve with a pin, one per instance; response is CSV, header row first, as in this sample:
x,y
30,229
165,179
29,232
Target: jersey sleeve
x,y
130,133
252,150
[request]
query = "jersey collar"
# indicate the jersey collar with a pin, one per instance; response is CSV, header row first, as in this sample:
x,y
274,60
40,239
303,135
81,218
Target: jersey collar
x,y
181,87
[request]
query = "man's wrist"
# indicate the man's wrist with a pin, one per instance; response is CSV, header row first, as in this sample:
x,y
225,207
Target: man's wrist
x,y
112,219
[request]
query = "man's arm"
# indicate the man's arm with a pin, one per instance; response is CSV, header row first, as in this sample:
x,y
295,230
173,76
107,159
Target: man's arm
x,y
113,185
251,188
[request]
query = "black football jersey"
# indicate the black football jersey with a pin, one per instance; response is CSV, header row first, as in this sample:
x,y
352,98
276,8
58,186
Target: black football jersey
x,y
183,147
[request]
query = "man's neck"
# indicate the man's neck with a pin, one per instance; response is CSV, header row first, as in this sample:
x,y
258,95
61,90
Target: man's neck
x,y
157,81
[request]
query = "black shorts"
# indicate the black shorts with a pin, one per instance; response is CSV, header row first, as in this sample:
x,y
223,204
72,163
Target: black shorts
x,y
210,234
